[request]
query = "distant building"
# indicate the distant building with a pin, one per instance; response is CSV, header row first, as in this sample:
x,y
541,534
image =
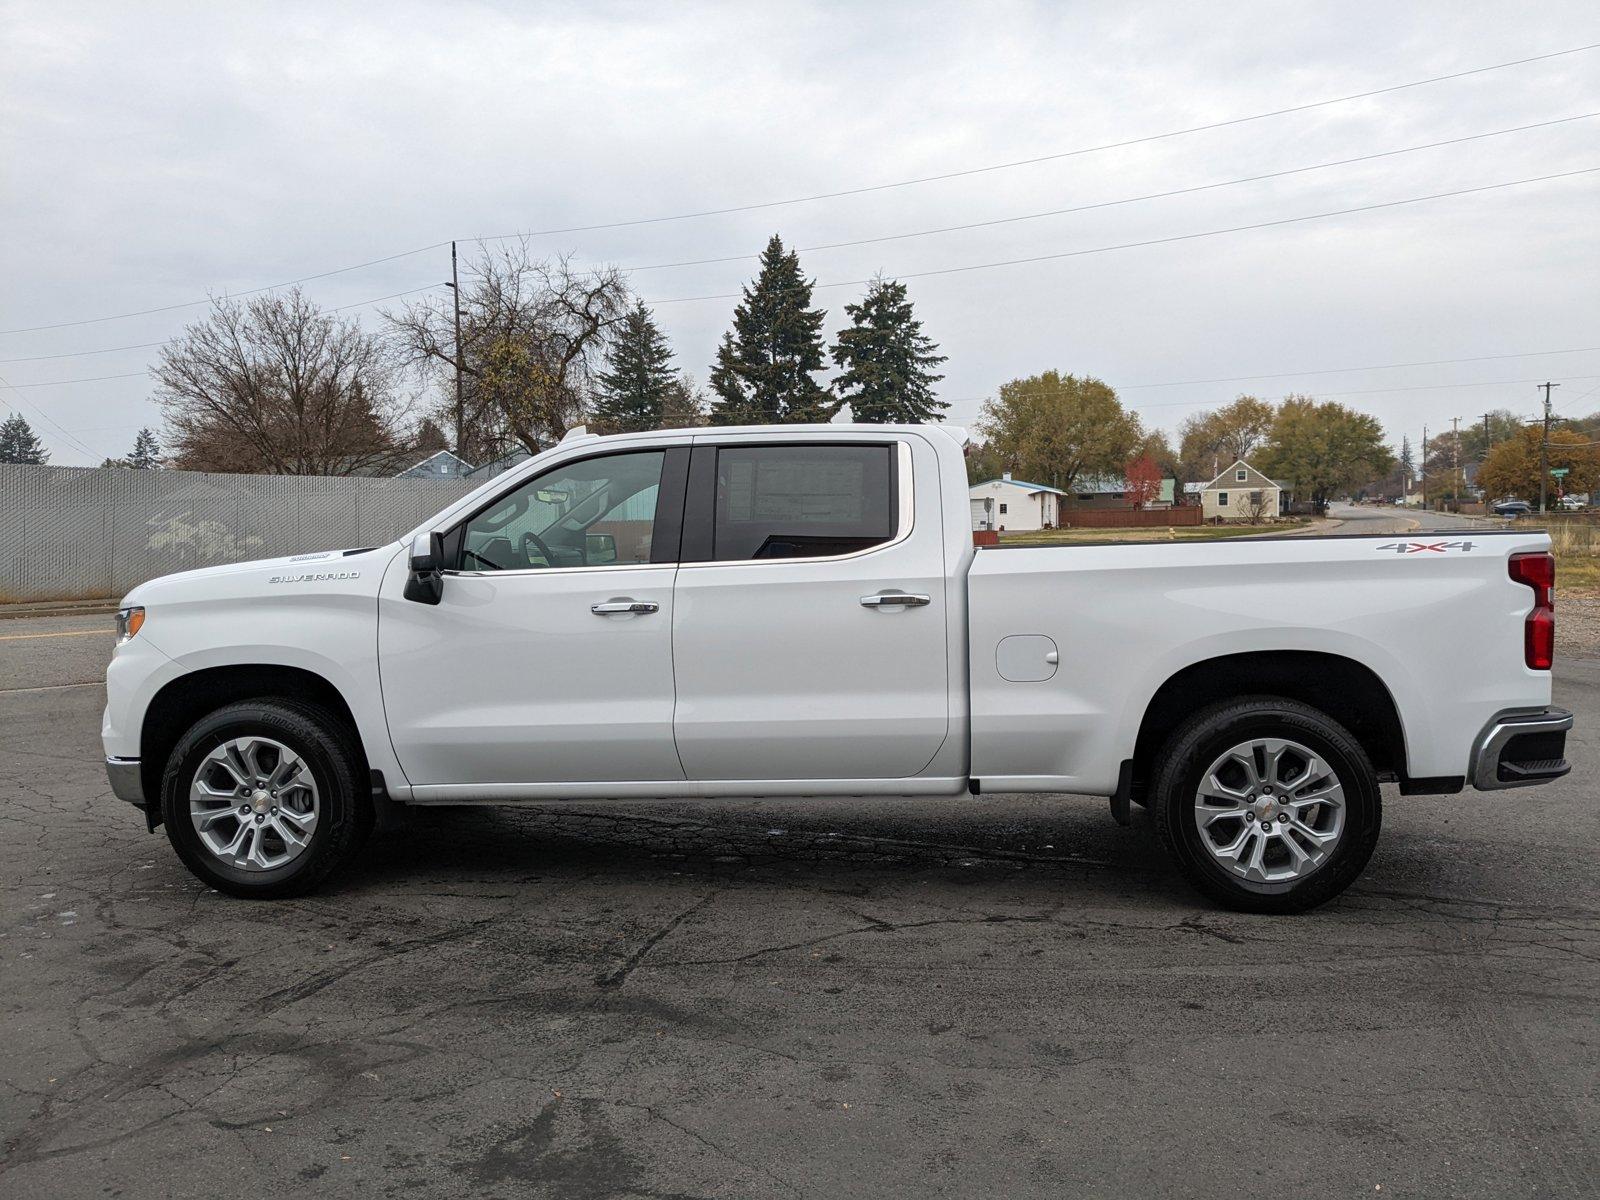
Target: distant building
x,y
1242,493
499,466
441,465
1013,504
1111,491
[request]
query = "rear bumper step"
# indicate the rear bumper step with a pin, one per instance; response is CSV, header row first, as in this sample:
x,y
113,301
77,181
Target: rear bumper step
x,y
1520,749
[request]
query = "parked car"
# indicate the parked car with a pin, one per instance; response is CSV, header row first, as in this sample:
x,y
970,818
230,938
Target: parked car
x,y
800,611
1513,508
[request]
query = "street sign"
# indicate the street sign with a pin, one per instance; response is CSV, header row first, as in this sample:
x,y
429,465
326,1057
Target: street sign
x,y
1559,472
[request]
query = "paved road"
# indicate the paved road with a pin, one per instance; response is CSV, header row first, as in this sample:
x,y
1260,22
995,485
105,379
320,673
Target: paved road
x,y
1366,518
1007,996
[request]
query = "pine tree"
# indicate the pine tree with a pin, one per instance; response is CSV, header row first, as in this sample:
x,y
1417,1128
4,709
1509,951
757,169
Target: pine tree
x,y
765,368
1408,462
685,405
146,454
886,360
632,389
18,443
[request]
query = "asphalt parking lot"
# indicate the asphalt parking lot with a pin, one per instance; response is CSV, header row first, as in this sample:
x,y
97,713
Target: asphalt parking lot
x,y
1005,996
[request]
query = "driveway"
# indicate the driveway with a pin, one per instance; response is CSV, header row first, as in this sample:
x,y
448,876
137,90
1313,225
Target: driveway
x,y
994,996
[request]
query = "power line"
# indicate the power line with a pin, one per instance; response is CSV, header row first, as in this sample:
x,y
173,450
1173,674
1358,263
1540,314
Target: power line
x,y
1161,241
858,191
144,312
1424,387
1434,362
83,379
74,442
950,228
1025,162
1059,212
1182,237
82,353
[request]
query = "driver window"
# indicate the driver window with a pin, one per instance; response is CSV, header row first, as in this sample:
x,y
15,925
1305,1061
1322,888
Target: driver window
x,y
596,512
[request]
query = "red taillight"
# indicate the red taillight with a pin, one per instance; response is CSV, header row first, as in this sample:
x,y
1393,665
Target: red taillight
x,y
1538,571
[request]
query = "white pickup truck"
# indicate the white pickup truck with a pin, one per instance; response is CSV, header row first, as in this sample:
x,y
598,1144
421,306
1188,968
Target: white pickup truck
x,y
800,611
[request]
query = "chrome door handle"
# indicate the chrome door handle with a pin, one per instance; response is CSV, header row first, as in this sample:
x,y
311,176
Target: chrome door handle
x,y
895,600
624,606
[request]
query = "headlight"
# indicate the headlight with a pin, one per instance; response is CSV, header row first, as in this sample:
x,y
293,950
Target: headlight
x,y
129,622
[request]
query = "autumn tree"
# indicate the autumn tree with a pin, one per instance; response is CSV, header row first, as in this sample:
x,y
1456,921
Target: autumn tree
x,y
532,334
1143,479
631,390
886,363
1055,429
1512,467
766,366
1212,440
1442,465
276,386
1482,435
984,462
1155,446
1324,448
19,444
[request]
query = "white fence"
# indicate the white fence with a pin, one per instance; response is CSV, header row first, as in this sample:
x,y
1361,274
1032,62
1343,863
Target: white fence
x,y
71,533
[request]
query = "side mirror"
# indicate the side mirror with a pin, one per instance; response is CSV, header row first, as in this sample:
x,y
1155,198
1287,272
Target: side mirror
x,y
599,548
425,584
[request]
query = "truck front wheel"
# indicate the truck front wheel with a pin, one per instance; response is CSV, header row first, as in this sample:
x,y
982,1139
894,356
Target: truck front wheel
x,y
265,798
1267,805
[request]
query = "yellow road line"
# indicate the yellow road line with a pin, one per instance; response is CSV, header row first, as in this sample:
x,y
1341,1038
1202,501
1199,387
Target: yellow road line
x,y
22,637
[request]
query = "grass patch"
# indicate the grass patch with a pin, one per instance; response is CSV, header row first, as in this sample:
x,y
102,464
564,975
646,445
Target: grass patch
x,y
1577,572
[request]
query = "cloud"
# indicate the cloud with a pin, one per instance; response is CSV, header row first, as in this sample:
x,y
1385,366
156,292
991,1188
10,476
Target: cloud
x,y
155,153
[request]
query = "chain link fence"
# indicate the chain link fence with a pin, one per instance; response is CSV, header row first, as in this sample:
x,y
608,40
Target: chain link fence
x,y
70,533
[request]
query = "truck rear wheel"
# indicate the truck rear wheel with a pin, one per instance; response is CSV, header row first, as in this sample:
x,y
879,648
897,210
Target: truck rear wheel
x,y
265,798
1267,804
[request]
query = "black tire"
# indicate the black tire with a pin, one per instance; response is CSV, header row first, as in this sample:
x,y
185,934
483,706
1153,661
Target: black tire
x,y
334,757
1196,744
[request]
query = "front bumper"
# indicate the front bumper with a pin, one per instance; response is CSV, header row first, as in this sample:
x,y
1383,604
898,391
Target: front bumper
x,y
1520,749
126,781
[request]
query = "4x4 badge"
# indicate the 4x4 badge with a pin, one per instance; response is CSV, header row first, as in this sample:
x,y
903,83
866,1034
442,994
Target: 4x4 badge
x,y
1421,547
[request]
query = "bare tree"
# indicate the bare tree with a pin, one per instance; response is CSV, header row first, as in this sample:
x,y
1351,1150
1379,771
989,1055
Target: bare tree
x,y
1258,509
532,331
278,387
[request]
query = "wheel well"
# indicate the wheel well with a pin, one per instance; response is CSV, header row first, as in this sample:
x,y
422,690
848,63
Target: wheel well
x,y
1342,688
186,699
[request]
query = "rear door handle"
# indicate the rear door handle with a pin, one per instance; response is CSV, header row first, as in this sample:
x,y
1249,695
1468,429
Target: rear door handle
x,y
609,607
895,600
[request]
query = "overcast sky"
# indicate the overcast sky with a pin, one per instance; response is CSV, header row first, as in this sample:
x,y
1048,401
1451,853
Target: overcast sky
x,y
152,154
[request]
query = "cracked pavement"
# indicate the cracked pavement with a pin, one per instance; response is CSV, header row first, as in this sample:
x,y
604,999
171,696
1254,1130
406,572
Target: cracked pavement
x,y
1005,995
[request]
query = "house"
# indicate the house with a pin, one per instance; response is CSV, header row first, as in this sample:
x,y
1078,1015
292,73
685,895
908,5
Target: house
x,y
1012,504
1242,493
442,465
1111,491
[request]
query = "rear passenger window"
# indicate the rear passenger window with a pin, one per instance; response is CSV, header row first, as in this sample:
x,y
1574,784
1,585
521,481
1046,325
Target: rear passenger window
x,y
803,501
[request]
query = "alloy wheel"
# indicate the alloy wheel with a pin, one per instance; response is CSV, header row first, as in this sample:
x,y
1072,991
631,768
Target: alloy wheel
x,y
1270,810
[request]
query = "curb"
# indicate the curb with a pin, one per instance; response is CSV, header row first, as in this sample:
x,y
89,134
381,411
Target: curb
x,y
58,608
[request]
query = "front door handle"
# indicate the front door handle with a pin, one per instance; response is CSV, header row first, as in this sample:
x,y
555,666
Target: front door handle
x,y
609,607
895,600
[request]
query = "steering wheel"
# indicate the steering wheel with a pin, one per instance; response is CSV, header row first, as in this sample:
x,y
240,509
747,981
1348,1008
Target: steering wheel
x,y
531,543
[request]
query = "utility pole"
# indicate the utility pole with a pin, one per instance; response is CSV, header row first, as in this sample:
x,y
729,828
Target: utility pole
x,y
1455,456
1544,448
1424,466
461,404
